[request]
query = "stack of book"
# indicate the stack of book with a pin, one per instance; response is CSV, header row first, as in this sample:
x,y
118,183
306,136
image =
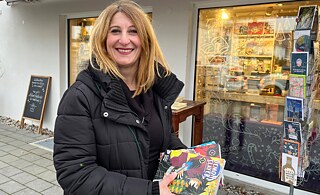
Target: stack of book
x,y
199,169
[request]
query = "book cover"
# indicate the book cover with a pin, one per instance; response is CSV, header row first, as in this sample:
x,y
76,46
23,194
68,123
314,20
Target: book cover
x,y
291,147
299,63
289,169
306,15
255,28
297,85
302,41
240,28
197,174
294,108
292,131
211,149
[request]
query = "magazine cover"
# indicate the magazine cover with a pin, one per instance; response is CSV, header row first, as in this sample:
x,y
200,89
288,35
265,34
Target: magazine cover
x,y
297,85
302,41
294,108
289,169
208,149
197,174
291,147
255,28
292,131
306,16
299,63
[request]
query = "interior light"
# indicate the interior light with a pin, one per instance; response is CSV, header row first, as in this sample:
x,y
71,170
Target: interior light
x,y
224,14
279,4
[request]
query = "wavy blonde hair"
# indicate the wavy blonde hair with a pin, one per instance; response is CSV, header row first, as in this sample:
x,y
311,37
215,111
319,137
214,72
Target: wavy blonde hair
x,y
151,55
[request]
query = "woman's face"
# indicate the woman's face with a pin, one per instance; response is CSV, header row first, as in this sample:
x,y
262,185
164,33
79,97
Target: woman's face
x,y
123,42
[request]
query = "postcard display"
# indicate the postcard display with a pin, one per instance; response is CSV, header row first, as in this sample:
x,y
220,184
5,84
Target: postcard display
x,y
298,123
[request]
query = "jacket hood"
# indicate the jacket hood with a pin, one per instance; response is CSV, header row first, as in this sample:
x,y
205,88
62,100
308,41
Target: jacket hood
x,y
168,88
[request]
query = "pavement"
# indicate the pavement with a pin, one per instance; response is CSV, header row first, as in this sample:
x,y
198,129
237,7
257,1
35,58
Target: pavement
x,y
27,169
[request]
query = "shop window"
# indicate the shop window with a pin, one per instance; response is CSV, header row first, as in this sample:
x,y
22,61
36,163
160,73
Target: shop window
x,y
242,72
79,32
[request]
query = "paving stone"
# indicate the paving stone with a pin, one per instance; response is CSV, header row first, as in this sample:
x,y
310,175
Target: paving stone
x,y
8,148
55,190
3,193
55,183
3,164
27,147
18,152
3,179
48,155
30,157
2,144
11,187
9,171
8,158
49,176
51,168
34,169
17,143
2,153
27,191
39,185
21,163
7,139
43,162
23,177
39,151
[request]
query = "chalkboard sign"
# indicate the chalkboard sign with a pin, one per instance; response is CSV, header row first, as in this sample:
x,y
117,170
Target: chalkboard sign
x,y
36,99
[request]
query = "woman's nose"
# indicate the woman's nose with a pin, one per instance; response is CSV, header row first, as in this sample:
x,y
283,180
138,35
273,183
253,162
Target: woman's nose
x,y
124,39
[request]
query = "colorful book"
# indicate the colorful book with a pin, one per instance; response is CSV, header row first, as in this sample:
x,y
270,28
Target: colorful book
x,y
297,85
306,15
255,28
197,174
294,109
299,63
292,131
302,41
289,169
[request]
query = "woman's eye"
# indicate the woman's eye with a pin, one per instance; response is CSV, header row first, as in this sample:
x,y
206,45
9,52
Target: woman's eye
x,y
133,31
114,31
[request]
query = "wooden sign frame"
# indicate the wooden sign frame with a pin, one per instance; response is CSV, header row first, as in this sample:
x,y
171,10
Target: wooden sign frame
x,y
36,100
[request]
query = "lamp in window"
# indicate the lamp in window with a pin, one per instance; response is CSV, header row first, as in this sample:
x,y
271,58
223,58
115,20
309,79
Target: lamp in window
x,y
269,11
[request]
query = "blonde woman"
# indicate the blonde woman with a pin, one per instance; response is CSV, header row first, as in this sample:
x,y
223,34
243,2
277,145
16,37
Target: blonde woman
x,y
115,120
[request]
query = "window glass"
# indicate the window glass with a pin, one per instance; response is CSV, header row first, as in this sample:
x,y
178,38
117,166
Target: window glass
x,y
243,58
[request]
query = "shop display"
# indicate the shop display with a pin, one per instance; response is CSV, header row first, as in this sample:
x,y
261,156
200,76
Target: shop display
x,y
271,72
298,106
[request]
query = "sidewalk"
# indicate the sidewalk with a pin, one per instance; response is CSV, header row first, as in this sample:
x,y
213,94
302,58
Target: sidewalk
x,y
25,169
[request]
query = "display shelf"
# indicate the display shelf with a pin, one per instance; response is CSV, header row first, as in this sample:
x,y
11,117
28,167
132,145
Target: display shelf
x,y
253,56
242,97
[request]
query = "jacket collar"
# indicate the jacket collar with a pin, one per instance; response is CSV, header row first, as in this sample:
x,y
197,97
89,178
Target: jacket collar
x,y
167,88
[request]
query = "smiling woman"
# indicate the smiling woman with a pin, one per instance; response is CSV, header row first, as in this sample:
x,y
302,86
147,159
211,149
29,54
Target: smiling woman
x,y
115,120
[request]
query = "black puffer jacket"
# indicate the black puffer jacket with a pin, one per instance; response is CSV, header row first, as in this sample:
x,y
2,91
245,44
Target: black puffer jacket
x,y
100,145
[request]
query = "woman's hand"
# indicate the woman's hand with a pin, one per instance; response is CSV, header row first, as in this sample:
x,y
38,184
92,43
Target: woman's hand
x,y
163,184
